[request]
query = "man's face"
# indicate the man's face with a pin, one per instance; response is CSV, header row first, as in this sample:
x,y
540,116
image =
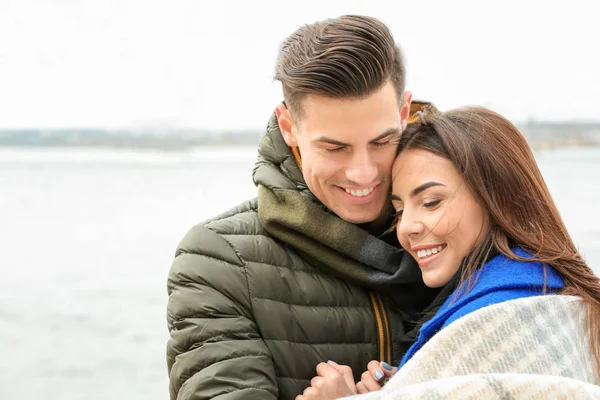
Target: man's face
x,y
347,148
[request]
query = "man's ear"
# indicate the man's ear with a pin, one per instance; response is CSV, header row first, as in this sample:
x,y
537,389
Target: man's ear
x,y
405,109
286,125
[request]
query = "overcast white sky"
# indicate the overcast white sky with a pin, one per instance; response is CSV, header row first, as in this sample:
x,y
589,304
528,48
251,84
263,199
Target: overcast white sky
x,y
209,64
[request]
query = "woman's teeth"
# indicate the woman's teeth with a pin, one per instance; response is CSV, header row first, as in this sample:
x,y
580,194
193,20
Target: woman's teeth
x,y
360,192
429,252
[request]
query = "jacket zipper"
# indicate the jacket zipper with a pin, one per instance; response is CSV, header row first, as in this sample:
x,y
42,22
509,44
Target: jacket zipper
x,y
383,328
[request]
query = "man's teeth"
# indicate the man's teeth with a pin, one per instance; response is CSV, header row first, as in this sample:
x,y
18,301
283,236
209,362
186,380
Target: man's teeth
x,y
359,192
429,252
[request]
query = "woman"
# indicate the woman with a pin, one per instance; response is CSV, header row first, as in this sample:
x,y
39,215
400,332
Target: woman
x,y
471,202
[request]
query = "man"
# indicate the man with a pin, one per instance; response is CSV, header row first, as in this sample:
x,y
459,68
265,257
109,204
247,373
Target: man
x,y
305,273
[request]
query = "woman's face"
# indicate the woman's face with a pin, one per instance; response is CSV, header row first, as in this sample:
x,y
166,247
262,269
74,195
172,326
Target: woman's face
x,y
440,219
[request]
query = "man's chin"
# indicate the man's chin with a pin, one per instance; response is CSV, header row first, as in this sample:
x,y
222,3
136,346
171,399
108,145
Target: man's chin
x,y
357,218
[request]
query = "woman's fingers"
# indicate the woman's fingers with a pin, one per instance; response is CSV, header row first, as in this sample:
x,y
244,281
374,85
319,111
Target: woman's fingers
x,y
361,388
369,381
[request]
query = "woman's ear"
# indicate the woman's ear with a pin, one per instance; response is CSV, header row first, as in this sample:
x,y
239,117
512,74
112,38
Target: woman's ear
x,y
286,125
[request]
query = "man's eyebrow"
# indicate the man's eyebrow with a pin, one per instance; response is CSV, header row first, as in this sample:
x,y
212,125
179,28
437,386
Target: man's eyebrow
x,y
389,132
418,190
325,139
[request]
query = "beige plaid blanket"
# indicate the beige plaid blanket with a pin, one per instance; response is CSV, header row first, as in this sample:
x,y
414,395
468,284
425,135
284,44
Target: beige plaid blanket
x,y
531,348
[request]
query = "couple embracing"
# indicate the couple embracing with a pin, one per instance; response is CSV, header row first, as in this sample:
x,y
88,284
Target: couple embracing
x,y
384,231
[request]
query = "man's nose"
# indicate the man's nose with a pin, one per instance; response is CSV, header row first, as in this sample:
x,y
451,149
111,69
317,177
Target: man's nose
x,y
363,170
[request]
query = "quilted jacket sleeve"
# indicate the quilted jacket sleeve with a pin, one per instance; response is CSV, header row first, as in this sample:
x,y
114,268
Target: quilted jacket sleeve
x,y
215,349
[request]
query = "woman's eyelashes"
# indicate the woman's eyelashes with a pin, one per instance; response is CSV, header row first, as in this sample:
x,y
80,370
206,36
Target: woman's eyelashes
x,y
397,214
432,204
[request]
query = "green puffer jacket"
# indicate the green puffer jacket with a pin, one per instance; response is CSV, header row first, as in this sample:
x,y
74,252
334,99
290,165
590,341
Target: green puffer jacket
x,y
260,295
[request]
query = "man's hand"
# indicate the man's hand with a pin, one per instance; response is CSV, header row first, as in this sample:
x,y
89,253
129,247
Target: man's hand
x,y
333,381
375,377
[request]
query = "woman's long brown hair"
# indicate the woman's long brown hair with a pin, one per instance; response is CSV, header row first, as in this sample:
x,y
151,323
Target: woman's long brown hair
x,y
497,163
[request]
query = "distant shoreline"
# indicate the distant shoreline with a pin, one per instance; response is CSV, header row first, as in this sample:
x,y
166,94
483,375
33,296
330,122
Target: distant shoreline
x,y
537,147
541,136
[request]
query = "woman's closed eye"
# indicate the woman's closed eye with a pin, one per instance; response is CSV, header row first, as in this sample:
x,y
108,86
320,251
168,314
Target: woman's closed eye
x,y
397,214
431,204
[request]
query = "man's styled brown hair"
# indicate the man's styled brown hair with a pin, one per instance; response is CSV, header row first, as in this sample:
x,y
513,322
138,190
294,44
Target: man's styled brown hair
x,y
347,57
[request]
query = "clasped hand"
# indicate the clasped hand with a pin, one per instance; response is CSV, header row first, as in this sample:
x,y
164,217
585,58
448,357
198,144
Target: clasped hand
x,y
334,381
